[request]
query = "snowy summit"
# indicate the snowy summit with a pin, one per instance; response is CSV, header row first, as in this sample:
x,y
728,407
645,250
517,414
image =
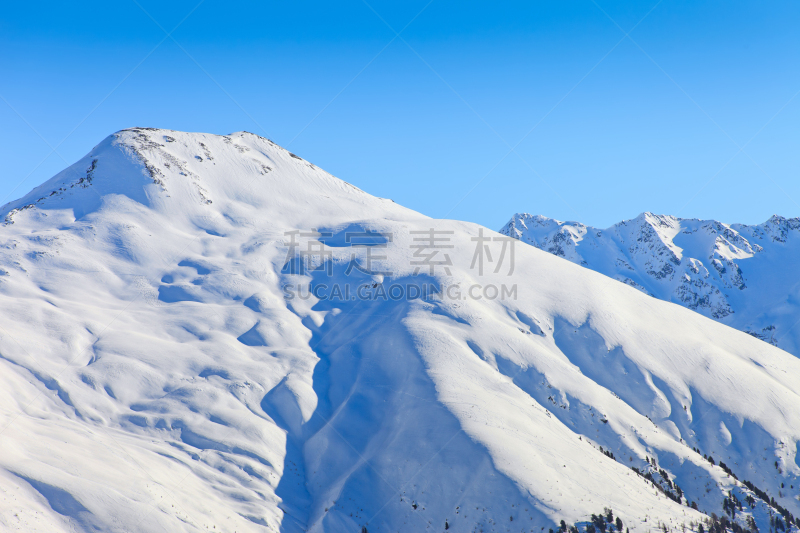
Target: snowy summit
x,y
175,358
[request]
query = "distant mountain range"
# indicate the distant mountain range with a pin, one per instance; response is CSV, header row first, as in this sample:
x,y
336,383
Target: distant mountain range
x,y
747,277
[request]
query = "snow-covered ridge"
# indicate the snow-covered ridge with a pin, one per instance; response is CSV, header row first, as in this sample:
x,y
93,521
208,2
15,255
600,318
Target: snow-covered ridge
x,y
740,275
154,376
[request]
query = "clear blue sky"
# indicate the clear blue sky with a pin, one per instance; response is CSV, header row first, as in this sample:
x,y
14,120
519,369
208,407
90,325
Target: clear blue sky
x,y
696,113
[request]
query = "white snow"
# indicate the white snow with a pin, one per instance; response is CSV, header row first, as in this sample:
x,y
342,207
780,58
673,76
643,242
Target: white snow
x,y
154,377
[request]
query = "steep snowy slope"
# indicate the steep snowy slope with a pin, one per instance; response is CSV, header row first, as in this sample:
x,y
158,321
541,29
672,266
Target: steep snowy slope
x,y
164,366
743,276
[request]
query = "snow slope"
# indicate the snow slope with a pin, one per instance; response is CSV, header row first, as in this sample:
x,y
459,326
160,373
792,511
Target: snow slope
x,y
156,375
743,276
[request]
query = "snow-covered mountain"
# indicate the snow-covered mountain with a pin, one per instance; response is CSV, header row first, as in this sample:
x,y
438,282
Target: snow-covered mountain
x,y
174,358
743,276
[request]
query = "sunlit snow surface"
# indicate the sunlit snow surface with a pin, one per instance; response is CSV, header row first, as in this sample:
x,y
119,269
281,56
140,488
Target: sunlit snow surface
x,y
154,377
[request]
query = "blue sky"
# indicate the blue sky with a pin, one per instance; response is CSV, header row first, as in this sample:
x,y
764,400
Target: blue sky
x,y
475,111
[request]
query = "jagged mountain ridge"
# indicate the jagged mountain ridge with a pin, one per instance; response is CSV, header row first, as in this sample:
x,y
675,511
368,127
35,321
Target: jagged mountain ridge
x,y
155,377
741,275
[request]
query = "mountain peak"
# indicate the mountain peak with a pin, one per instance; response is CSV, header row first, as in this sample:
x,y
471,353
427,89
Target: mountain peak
x,y
184,174
190,339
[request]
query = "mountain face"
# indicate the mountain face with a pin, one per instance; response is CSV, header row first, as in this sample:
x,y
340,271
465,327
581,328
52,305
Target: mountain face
x,y
743,276
209,333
